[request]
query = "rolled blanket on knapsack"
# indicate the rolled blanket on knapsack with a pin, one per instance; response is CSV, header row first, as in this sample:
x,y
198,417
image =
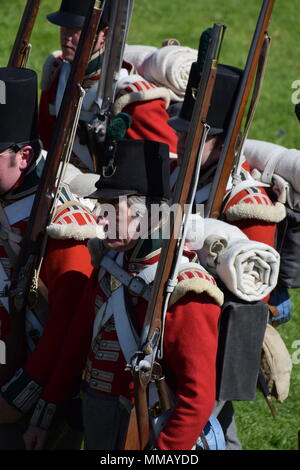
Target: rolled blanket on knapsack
x,y
278,166
167,66
136,54
249,269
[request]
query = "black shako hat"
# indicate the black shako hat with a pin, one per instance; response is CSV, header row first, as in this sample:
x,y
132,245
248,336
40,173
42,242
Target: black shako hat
x,y
140,167
72,14
18,107
222,102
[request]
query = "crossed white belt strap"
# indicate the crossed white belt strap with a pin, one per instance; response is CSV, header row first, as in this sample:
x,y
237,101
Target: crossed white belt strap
x,y
115,306
138,285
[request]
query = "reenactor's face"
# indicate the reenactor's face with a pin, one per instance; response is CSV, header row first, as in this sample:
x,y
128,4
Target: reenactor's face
x,y
69,39
211,150
119,225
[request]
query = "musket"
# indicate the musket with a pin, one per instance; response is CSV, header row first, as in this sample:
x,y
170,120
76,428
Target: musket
x,y
230,153
99,139
261,382
22,48
152,332
25,273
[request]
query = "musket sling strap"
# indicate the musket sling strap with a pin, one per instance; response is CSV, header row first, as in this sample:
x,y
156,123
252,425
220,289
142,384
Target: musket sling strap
x,y
248,183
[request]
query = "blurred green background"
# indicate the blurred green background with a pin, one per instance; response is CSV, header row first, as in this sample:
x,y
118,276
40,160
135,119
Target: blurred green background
x,y
274,121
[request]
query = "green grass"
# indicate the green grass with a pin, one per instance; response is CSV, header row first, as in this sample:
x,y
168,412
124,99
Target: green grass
x,y
257,428
274,121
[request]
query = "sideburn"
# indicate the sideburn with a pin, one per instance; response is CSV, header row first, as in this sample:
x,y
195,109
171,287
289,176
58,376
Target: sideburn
x,y
13,161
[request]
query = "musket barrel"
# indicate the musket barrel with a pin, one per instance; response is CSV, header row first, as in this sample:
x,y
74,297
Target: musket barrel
x,y
214,203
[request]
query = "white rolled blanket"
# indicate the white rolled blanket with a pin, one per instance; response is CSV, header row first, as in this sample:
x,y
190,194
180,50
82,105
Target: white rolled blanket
x,y
249,269
277,159
167,66
136,54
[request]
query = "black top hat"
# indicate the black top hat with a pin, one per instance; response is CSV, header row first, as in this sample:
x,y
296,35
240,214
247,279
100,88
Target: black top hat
x,y
140,167
72,14
222,102
18,108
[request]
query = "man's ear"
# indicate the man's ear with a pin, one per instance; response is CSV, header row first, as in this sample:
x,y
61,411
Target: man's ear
x,y
26,156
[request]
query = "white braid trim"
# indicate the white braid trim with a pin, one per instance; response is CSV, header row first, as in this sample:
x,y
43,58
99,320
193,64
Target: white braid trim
x,y
243,211
198,286
75,231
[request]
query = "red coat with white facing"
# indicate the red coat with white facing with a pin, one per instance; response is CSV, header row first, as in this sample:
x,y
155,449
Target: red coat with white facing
x,y
190,351
145,103
253,211
65,269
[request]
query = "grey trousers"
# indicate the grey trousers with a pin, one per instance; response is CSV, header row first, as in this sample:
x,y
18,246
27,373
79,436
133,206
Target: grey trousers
x,y
105,420
224,411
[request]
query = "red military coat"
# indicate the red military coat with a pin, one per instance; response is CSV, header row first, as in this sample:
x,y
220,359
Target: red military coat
x,y
145,103
190,353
